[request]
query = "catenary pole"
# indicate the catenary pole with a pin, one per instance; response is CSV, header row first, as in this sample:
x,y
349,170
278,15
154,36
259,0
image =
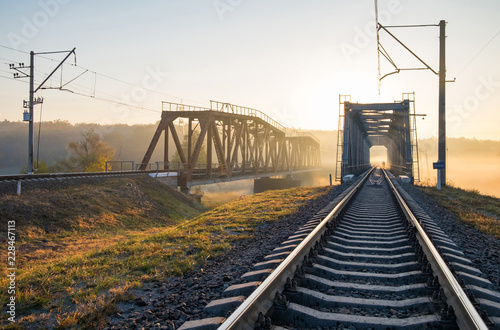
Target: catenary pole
x,y
442,101
31,105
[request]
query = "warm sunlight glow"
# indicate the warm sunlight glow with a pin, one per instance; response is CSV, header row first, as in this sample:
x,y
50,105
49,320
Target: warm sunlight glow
x,y
324,100
378,155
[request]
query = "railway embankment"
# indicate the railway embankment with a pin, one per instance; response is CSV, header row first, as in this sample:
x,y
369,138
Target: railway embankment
x,y
131,252
115,247
470,219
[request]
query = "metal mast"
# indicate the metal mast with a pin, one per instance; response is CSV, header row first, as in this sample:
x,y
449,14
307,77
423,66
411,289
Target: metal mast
x,y
442,102
31,99
31,103
442,85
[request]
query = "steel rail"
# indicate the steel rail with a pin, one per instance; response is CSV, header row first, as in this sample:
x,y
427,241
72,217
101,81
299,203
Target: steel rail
x,y
31,177
467,315
261,300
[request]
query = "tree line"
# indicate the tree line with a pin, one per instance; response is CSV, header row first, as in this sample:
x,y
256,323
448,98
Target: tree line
x,y
66,147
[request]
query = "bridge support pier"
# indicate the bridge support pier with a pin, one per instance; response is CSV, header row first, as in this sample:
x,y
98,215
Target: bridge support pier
x,y
263,184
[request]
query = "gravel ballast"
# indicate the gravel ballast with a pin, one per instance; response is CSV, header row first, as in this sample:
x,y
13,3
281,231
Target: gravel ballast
x,y
167,305
483,250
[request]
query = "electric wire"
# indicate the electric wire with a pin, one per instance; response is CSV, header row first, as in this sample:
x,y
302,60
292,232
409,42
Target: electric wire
x,y
4,71
81,92
10,78
100,74
17,50
478,53
116,79
95,97
115,102
7,59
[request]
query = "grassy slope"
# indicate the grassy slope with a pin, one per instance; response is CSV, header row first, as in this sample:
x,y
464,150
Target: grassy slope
x,y
82,248
58,229
469,206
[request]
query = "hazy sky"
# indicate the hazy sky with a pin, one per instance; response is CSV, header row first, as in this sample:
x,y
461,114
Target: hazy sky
x,y
288,58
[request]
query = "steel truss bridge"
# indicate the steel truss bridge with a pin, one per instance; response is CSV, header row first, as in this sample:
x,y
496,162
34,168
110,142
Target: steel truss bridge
x,y
239,142
392,125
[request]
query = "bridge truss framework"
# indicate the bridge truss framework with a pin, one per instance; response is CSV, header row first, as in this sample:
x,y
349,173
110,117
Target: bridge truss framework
x,y
392,125
238,141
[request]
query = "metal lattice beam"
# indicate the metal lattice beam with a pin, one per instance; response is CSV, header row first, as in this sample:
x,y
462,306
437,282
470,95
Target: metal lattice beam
x,y
386,124
244,140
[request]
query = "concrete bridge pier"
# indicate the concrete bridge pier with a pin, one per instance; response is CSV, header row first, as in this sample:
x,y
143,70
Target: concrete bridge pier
x,y
264,184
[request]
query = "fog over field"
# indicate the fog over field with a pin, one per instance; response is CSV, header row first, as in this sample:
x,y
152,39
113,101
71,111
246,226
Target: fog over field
x,y
472,164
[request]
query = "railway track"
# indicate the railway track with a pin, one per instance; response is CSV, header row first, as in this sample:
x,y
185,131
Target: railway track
x,y
366,262
12,184
62,176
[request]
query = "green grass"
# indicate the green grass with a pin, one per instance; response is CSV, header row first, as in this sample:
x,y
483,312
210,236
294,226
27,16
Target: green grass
x,y
81,287
469,206
66,237
99,209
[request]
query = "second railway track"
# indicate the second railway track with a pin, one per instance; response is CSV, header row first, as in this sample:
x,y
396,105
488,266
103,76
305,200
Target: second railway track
x,y
365,262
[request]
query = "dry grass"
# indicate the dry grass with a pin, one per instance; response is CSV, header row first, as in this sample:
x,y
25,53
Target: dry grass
x,y
78,284
58,230
469,206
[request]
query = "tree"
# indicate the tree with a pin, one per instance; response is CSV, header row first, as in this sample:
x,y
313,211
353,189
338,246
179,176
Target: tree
x,y
88,155
39,166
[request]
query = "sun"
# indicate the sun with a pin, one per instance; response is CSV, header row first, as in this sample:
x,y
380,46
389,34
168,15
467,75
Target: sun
x,y
322,98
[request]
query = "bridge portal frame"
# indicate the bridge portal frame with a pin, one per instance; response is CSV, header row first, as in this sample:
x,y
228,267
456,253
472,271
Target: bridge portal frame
x,y
366,125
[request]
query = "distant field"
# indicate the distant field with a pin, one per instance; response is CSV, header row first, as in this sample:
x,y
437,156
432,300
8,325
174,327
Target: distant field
x,y
469,172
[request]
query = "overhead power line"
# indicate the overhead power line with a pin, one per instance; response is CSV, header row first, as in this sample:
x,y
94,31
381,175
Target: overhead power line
x,y
478,53
113,101
80,90
10,78
93,96
17,50
101,75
